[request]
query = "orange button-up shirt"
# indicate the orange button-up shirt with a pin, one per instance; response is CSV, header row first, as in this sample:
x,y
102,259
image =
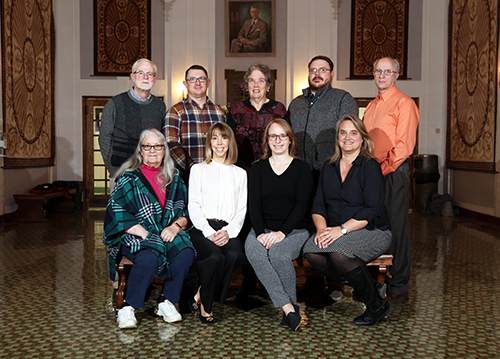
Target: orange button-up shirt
x,y
392,120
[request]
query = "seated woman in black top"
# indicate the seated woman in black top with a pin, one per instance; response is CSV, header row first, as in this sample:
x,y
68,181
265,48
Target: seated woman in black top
x,y
350,217
279,190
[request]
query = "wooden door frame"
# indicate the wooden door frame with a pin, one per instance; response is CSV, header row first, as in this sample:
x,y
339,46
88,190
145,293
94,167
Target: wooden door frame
x,y
88,175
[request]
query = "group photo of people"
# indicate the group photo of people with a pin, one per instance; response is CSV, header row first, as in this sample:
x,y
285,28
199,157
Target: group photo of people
x,y
200,191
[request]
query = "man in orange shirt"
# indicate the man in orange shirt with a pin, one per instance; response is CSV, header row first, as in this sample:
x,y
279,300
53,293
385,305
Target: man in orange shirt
x,y
391,120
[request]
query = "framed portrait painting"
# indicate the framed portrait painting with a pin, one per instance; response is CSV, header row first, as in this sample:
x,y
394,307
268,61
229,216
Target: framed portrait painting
x,y
250,28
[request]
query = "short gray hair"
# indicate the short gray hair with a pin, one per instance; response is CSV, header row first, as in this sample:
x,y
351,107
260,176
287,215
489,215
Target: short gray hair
x,y
396,63
138,62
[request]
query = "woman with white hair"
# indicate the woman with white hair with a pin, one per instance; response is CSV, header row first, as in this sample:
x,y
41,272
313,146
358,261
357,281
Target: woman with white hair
x,y
145,221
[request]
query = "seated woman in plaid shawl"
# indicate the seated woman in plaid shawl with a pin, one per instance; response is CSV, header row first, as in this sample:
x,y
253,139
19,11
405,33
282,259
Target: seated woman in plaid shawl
x,y
145,221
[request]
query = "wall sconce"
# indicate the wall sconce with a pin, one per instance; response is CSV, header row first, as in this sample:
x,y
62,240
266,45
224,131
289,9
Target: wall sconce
x,y
182,90
298,91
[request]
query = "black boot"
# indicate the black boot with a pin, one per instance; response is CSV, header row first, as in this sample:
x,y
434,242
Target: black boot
x,y
376,308
380,288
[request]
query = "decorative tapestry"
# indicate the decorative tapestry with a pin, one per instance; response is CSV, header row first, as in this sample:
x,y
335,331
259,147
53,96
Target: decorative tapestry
x,y
121,35
379,29
472,84
28,59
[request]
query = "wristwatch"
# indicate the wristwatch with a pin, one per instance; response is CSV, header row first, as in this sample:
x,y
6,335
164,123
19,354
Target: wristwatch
x,y
343,230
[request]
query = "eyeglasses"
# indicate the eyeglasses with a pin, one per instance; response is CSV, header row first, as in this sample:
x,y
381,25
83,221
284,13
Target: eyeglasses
x,y
258,81
385,72
194,79
141,73
274,137
321,70
149,147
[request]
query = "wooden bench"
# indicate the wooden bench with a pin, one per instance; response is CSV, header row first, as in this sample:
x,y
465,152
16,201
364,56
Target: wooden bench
x,y
382,262
32,206
122,280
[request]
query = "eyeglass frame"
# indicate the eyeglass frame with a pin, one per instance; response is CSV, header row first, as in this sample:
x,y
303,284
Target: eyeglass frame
x,y
193,80
386,72
141,73
322,70
160,145
274,137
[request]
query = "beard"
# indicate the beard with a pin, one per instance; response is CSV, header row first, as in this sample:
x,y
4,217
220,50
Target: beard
x,y
316,88
144,87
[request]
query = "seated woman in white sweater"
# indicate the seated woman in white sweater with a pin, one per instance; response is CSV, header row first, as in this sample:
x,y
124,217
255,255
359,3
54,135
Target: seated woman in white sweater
x,y
217,208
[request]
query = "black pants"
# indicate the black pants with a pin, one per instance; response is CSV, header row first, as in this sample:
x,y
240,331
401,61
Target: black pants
x,y
216,264
397,201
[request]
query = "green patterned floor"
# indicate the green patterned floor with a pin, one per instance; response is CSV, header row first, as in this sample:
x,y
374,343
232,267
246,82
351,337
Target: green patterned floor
x,y
56,302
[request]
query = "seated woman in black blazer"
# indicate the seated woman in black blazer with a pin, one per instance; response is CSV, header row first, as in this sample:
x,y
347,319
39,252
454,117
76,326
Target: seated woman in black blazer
x,y
350,217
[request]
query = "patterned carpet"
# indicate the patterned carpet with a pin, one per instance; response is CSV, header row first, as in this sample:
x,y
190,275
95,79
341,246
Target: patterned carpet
x,y
56,301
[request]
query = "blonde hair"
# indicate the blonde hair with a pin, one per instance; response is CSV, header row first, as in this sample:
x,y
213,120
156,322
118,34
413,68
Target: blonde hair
x,y
367,145
135,161
293,149
232,151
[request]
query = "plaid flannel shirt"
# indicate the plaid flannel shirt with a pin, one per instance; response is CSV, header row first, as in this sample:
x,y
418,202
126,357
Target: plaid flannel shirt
x,y
186,126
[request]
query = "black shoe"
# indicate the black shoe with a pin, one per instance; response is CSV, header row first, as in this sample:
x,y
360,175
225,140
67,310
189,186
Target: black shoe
x,y
371,317
284,322
210,320
376,307
293,320
193,305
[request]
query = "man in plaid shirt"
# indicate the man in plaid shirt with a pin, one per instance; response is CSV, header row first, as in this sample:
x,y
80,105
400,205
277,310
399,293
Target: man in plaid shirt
x,y
187,122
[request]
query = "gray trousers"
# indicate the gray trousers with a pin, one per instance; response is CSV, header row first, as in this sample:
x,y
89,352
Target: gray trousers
x,y
274,267
397,202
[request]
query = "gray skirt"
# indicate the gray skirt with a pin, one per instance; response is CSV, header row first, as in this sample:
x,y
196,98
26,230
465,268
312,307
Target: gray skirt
x,y
363,244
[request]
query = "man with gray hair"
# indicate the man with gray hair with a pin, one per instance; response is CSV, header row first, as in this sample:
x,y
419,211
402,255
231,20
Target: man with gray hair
x,y
126,115
253,34
392,120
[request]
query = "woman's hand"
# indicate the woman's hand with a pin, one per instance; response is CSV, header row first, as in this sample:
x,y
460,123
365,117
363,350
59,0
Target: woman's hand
x,y
271,238
168,234
138,230
327,236
220,238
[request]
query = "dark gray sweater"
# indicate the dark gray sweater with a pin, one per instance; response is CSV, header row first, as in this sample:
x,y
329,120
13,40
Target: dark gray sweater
x,y
123,119
315,125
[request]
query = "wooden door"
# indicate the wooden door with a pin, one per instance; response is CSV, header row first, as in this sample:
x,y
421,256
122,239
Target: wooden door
x,y
95,175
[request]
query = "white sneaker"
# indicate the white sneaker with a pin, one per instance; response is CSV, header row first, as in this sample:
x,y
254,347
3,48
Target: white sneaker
x,y
126,318
168,312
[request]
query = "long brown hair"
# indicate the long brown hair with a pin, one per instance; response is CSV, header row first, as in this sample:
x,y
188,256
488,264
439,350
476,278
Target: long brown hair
x,y
232,151
293,149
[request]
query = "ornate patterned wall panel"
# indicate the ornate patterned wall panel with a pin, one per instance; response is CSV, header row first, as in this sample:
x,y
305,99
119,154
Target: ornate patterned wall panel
x,y
28,82
379,28
472,84
121,35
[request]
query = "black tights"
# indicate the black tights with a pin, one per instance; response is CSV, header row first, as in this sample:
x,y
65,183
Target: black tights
x,y
340,262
